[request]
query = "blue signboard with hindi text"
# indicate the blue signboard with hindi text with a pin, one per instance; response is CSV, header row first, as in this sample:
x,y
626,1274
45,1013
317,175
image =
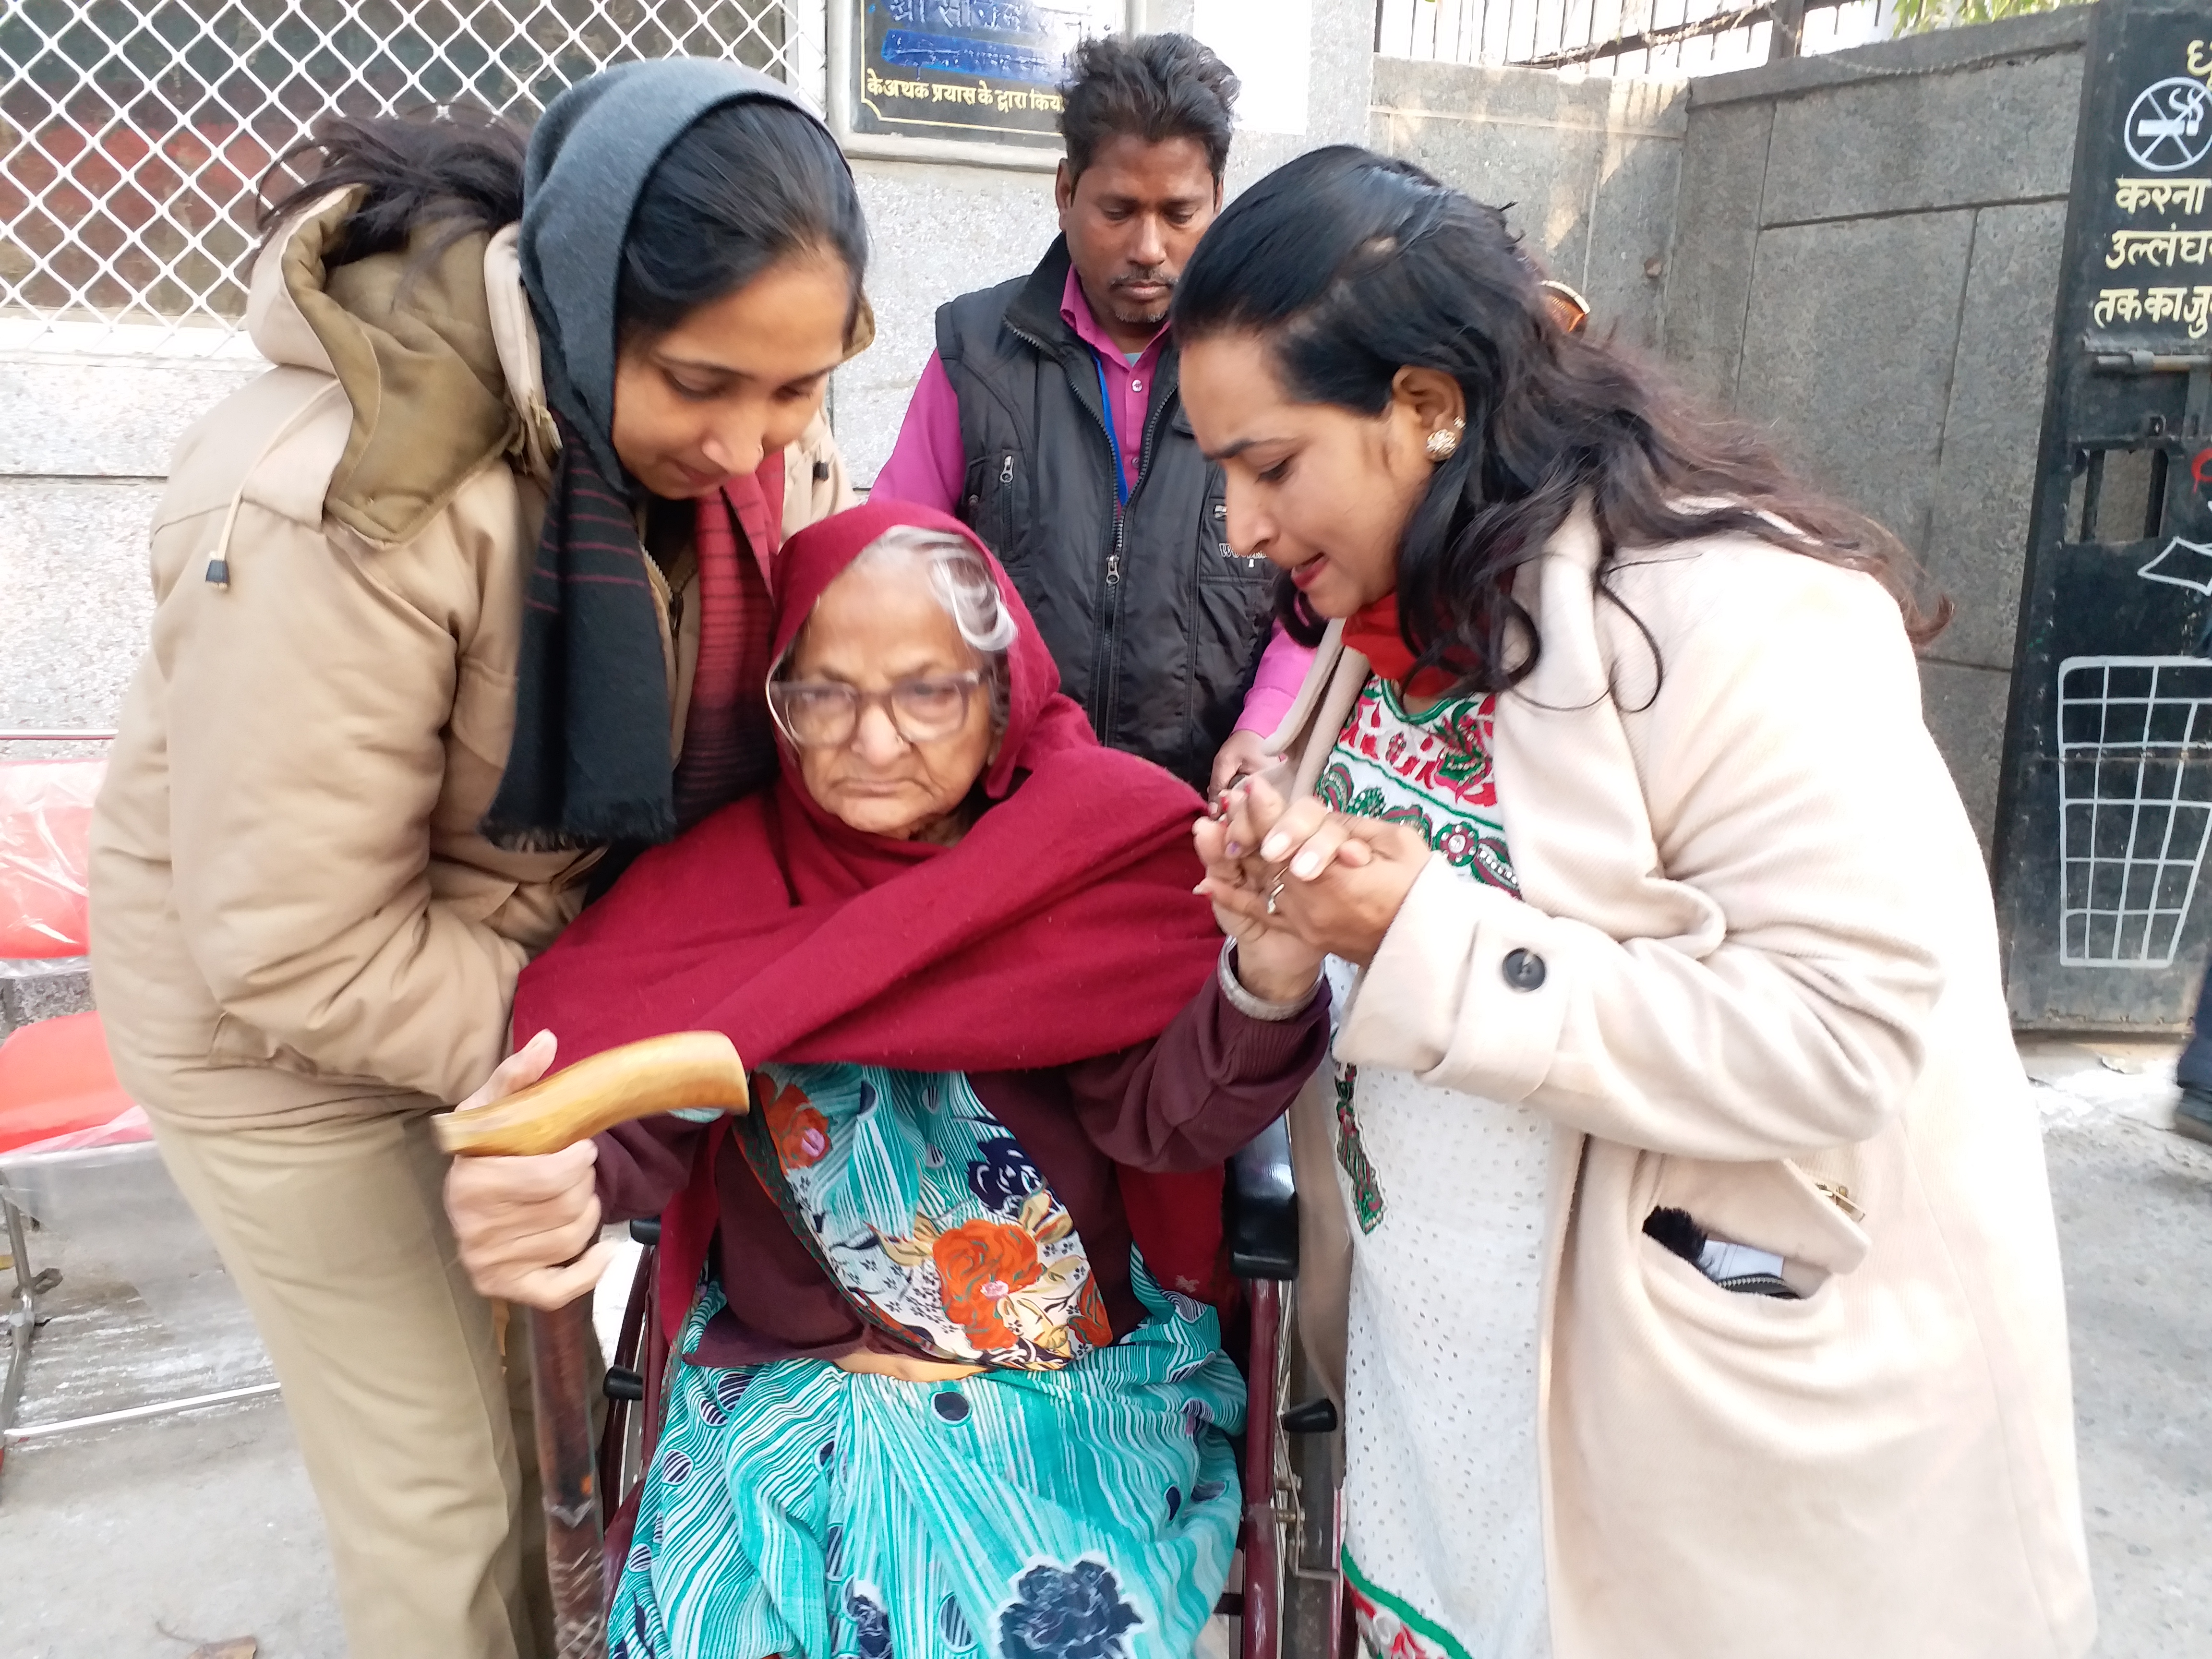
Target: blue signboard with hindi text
x,y
972,70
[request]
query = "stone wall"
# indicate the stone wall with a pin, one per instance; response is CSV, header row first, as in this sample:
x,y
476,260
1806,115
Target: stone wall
x,y
1866,254
84,444
1587,167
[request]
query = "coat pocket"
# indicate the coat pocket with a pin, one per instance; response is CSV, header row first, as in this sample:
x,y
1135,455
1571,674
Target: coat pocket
x,y
237,1043
995,503
1773,1207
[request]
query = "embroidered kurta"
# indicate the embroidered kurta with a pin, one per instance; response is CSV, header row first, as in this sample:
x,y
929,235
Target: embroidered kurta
x,y
1443,1544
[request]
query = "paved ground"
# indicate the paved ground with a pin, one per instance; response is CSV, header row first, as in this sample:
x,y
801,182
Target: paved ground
x,y
2135,1222
149,1537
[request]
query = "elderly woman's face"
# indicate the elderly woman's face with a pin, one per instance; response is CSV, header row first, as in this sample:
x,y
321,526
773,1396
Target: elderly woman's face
x,y
871,628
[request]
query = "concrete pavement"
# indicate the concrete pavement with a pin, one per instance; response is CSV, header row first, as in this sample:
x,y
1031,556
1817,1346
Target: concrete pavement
x,y
141,1540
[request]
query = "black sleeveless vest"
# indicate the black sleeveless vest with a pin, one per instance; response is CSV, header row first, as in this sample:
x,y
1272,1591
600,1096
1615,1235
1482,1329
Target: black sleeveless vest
x,y
1156,625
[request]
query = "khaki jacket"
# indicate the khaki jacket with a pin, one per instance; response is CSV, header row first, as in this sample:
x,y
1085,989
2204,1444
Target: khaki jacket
x,y
1770,998
293,915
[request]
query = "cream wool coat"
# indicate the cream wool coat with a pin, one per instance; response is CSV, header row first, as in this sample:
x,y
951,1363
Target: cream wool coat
x,y
1771,967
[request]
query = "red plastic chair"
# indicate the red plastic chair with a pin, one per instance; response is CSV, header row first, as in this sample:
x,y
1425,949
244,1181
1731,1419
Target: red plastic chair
x,y
46,823
59,1091
56,1085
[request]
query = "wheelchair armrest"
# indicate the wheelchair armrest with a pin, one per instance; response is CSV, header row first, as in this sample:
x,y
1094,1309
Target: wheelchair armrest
x,y
1262,1205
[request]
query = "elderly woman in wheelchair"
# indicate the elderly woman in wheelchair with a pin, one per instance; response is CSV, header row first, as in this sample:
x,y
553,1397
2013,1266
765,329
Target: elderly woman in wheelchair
x,y
950,1382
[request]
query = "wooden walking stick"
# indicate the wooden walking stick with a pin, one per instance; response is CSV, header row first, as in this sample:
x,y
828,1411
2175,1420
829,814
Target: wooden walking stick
x,y
640,1079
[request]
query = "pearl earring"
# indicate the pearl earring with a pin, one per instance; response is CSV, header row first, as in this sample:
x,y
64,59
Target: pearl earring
x,y
1444,442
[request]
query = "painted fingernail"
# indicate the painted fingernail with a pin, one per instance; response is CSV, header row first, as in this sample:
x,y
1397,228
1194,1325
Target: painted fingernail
x,y
1235,849
1274,846
1306,865
1200,888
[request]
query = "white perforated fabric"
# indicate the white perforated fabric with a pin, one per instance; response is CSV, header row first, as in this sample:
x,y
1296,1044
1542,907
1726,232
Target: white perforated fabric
x,y
1442,1504
1443,1523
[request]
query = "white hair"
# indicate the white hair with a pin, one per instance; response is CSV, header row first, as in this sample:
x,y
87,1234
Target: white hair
x,y
958,575
964,584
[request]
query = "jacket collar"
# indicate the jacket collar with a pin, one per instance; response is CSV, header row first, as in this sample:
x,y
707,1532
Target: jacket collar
x,y
514,335
288,284
1035,312
1036,309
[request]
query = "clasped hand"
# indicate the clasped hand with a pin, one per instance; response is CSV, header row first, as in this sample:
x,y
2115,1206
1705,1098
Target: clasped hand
x,y
526,1226
1279,870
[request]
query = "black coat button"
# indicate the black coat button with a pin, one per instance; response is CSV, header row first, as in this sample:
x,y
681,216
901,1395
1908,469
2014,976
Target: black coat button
x,y
1523,970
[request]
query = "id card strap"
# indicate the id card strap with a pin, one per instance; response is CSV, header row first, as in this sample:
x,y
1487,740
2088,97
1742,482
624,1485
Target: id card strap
x,y
1112,438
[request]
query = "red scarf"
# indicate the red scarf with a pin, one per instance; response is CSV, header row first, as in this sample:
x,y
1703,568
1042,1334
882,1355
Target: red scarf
x,y
729,743
1062,926
1373,631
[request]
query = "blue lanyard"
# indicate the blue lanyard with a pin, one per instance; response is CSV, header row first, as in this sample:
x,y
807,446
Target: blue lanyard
x,y
1113,439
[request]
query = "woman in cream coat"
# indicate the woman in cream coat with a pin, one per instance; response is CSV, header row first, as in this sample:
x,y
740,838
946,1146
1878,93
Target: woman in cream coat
x,y
1694,1281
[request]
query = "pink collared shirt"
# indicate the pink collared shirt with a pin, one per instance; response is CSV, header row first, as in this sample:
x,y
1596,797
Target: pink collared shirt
x,y
928,466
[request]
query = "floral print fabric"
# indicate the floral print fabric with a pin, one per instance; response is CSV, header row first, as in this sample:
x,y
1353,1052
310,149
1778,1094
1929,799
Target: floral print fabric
x,y
1431,772
928,1213
1083,1512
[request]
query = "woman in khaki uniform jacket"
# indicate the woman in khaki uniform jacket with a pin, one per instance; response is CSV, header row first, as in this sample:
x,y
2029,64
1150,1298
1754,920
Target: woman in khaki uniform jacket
x,y
438,596
1678,1217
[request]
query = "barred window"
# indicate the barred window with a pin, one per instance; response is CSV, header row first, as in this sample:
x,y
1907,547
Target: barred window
x,y
133,132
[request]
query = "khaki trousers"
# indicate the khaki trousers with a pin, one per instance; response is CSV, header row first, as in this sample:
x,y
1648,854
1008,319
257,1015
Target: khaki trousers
x,y
391,1364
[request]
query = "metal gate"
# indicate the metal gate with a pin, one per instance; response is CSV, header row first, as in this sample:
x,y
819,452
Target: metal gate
x,y
2105,816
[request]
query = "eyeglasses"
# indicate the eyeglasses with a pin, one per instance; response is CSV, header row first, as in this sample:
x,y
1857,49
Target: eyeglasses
x,y
825,714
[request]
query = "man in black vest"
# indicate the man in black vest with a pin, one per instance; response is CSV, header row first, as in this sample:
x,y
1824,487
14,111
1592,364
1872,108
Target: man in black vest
x,y
1048,420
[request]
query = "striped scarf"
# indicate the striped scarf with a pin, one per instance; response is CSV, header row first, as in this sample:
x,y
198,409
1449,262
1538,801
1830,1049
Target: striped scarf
x,y
729,742
589,764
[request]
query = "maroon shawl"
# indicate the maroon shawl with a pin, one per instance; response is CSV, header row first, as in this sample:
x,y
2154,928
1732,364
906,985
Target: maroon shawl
x,y
1062,926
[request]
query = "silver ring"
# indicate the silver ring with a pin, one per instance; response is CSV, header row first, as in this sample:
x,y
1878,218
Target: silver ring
x,y
1273,893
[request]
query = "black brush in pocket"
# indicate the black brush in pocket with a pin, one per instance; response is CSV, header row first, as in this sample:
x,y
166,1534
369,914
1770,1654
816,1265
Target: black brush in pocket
x,y
1743,1268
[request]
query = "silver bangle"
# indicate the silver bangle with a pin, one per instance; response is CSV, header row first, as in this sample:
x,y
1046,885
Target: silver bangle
x,y
1257,1007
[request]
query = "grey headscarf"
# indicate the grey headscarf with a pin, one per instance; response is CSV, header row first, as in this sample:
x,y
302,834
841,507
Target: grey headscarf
x,y
589,158
589,764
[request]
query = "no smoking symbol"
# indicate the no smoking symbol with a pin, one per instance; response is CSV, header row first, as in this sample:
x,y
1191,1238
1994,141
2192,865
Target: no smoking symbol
x,y
2169,125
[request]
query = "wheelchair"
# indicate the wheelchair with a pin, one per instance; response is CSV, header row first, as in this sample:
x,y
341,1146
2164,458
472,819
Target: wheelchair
x,y
1289,1602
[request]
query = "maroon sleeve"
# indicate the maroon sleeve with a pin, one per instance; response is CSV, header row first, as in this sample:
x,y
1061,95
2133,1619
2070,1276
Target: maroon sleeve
x,y
643,1164
1202,1088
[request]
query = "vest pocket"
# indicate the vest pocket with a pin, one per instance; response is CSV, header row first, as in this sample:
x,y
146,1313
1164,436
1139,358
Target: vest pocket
x,y
1232,608
1217,560
1238,591
995,503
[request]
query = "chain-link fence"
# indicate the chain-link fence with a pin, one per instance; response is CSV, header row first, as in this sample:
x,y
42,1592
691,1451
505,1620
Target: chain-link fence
x,y
133,132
